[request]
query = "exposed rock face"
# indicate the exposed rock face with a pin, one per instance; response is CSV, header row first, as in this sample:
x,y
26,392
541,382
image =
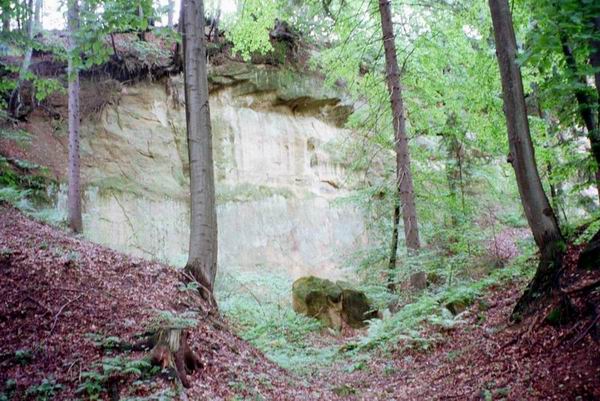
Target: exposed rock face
x,y
331,303
276,176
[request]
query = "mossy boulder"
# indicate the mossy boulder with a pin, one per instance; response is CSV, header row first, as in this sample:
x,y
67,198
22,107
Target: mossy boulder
x,y
458,306
333,303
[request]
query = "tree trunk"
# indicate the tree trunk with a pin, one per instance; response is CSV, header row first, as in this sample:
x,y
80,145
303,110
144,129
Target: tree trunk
x,y
213,33
170,11
202,261
15,101
38,15
172,351
6,18
586,107
142,33
540,215
394,246
595,62
74,197
403,174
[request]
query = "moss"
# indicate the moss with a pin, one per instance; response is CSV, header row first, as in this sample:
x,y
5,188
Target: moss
x,y
119,184
331,302
248,192
458,306
289,84
344,390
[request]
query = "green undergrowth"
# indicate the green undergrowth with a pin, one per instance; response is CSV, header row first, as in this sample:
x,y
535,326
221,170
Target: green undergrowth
x,y
27,187
430,308
258,305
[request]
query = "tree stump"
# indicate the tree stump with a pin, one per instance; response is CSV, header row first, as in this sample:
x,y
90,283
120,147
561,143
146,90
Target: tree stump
x,y
172,351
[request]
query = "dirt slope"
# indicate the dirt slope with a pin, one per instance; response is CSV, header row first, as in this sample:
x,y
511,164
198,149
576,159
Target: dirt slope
x,y
56,288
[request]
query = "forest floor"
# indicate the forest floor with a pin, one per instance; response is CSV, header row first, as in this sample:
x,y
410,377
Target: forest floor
x,y
62,297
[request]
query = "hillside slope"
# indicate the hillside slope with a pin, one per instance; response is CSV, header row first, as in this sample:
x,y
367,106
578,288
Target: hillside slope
x,y
64,301
60,296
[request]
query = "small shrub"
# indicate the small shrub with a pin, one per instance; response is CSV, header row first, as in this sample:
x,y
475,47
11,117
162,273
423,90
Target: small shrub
x,y
18,198
10,386
45,391
23,357
94,381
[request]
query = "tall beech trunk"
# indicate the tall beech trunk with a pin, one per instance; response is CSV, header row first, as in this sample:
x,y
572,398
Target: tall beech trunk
x,y
404,181
38,15
74,197
170,11
587,110
15,102
394,246
538,211
6,18
595,62
202,261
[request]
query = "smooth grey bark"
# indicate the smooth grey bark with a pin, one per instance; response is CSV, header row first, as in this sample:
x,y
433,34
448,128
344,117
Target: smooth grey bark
x,y
74,195
170,11
38,15
538,211
202,261
587,111
15,101
394,246
595,62
6,18
404,181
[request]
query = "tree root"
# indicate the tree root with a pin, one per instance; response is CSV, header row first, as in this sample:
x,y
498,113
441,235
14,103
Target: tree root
x,y
544,285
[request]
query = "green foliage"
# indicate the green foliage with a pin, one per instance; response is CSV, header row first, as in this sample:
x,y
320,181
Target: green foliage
x,y
592,226
19,136
192,286
94,382
52,216
104,342
46,87
8,390
23,184
23,357
250,30
18,198
407,324
45,391
259,307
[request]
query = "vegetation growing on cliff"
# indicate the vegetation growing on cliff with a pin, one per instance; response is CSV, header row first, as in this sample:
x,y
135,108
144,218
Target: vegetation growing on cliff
x,y
477,123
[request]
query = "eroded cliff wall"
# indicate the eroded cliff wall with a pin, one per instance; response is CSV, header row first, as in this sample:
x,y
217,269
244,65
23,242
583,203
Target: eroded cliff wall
x,y
278,184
